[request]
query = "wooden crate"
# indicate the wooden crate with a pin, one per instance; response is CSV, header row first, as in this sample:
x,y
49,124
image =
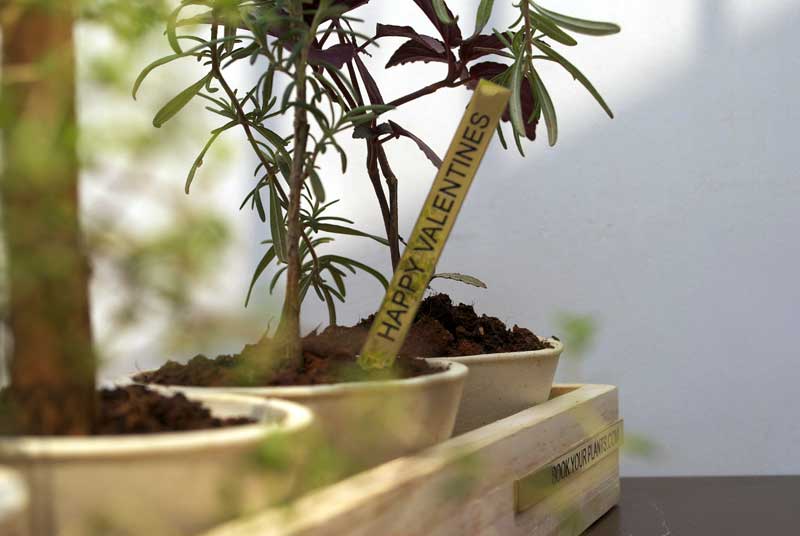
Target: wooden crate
x,y
550,470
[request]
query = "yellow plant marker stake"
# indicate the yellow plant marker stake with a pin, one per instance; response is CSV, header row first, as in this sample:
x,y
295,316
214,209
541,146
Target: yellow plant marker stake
x,y
433,227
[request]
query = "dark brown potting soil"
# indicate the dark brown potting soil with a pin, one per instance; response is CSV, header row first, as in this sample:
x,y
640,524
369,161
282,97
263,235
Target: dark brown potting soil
x,y
137,410
134,409
328,357
441,329
470,334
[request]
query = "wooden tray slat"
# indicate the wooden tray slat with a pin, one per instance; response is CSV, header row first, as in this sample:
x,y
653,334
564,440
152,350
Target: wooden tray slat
x,y
466,485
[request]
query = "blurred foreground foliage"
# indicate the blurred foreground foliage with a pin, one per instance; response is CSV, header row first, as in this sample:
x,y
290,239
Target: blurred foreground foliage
x,y
152,250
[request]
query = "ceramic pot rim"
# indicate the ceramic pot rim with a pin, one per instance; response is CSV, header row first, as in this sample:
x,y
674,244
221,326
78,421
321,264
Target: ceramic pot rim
x,y
294,417
544,353
451,372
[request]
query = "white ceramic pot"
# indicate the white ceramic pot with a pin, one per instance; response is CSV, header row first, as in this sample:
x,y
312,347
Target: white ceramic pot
x,y
369,423
13,503
500,385
156,484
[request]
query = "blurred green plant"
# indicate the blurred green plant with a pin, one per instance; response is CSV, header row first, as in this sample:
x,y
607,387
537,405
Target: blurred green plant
x,y
639,446
578,332
143,267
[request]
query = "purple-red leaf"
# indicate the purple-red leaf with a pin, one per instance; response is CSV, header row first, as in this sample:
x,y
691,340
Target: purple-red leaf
x,y
487,71
370,85
412,51
398,131
365,131
478,46
336,55
450,32
390,30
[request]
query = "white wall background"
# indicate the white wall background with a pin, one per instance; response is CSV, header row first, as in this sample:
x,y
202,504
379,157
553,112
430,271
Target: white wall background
x,y
675,224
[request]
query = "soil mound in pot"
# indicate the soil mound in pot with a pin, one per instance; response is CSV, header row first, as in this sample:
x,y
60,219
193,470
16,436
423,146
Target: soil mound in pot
x,y
328,357
456,330
134,409
441,329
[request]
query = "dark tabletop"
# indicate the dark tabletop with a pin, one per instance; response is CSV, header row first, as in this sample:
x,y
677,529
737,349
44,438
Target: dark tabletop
x,y
704,506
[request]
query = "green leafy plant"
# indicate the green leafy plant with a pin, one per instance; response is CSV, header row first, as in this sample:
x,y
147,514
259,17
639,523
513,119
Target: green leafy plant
x,y
312,61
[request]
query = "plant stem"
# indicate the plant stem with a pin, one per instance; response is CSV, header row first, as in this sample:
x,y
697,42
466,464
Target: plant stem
x,y
289,327
52,367
427,90
375,178
526,16
394,209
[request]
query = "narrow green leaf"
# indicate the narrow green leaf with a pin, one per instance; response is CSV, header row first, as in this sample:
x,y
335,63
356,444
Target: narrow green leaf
x,y
503,39
318,290
334,292
259,205
316,185
178,102
199,160
271,136
579,76
172,34
230,31
265,261
158,63
331,305
515,105
367,108
548,110
484,13
587,27
166,59
537,106
266,88
276,278
501,137
518,141
461,278
341,229
350,263
441,11
338,278
277,224
548,27
304,284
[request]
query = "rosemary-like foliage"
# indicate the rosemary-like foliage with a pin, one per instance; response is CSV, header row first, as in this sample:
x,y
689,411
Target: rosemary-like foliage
x,y
322,52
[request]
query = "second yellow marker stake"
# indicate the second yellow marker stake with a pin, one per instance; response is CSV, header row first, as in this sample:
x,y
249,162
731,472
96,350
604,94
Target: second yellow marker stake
x,y
433,227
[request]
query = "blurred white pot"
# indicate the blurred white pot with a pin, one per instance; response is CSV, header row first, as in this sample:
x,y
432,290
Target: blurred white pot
x,y
500,385
156,484
369,423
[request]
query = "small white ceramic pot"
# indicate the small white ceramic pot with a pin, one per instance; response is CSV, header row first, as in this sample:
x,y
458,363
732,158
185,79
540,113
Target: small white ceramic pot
x,y
13,503
500,385
369,423
156,484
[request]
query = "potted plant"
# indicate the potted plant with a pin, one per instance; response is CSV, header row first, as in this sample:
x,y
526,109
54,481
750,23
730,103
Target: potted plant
x,y
94,460
343,97
511,369
305,44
